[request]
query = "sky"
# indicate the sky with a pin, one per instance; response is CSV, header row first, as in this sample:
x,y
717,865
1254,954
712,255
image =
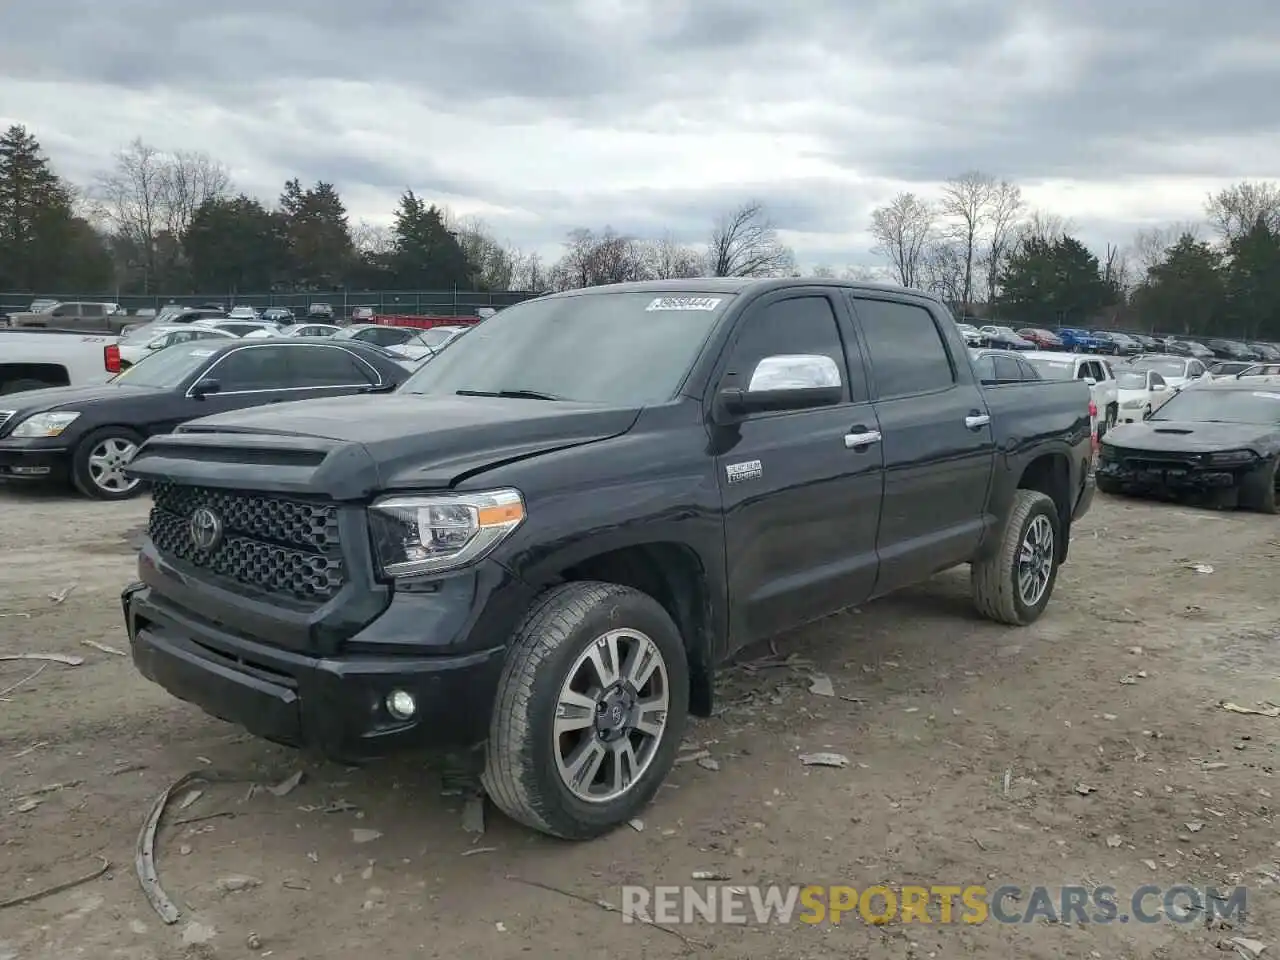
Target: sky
x,y
656,116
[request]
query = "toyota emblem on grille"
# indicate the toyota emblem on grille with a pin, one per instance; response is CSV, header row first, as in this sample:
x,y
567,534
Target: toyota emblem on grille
x,y
206,528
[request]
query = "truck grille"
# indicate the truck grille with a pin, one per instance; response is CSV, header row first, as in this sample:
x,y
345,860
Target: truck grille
x,y
276,545
1151,460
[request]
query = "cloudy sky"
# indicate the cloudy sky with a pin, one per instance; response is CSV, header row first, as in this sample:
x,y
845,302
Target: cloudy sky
x,y
653,115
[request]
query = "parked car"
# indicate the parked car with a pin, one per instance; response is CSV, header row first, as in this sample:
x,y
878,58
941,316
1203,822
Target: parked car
x,y
1078,340
360,314
243,312
1188,348
1221,440
146,340
1149,343
1177,372
1004,338
87,316
1042,339
243,328
1139,392
320,311
188,315
312,330
1232,350
1265,351
1094,371
428,342
971,334
553,532
1122,342
33,359
382,334
89,434
1222,369
281,316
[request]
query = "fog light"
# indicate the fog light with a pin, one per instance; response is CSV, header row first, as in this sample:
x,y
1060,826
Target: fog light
x,y
401,704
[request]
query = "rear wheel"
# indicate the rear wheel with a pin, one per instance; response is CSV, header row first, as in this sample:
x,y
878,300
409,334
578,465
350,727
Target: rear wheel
x,y
1014,584
1258,490
97,465
590,709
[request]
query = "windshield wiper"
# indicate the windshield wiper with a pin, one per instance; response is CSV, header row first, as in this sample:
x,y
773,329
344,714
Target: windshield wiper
x,y
509,394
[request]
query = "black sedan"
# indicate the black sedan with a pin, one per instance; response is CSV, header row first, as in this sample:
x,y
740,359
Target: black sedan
x,y
1218,441
88,434
383,334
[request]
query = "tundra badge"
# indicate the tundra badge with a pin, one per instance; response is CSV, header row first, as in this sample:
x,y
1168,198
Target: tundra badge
x,y
747,470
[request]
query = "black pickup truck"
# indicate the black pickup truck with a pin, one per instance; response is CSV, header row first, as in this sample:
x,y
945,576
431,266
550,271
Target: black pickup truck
x,y
546,540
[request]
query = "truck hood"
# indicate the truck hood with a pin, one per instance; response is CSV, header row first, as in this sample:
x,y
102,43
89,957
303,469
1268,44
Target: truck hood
x,y
1173,436
354,447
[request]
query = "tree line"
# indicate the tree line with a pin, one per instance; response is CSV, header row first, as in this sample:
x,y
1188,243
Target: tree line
x,y
168,222
980,247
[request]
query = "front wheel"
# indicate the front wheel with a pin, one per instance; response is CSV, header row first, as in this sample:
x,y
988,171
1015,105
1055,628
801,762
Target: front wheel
x,y
1014,584
97,465
590,710
1260,490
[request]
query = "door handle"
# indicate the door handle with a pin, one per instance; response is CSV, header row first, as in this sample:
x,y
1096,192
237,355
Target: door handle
x,y
854,440
976,420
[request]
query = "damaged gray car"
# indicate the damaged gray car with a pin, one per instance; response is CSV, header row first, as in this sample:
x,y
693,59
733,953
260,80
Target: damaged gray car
x,y
1218,443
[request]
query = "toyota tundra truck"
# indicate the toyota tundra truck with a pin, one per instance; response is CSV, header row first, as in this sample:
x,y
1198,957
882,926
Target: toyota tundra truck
x,y
543,545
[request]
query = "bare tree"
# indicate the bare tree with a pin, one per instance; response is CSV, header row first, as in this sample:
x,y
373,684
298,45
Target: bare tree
x,y
966,199
823,272
863,274
902,230
190,179
1004,208
493,263
372,239
1149,247
1234,211
595,258
1044,227
1116,270
745,243
942,271
668,259
531,275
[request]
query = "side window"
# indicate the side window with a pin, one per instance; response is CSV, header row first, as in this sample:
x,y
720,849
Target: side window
x,y
1007,369
327,367
1083,372
92,310
801,325
1156,379
181,336
254,368
64,311
1195,368
908,354
985,367
1028,371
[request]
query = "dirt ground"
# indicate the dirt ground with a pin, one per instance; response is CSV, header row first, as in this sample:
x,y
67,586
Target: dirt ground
x,y
1090,748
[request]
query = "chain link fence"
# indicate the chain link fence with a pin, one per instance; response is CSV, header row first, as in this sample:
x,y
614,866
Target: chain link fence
x,y
449,303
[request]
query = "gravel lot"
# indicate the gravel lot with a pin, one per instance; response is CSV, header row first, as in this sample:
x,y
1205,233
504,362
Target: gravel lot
x,y
969,743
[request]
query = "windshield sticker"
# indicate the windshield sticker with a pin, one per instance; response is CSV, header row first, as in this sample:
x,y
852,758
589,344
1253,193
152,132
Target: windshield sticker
x,y
684,303
1267,396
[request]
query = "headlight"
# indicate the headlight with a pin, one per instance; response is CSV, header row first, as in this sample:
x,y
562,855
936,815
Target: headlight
x,y
1232,456
432,533
43,425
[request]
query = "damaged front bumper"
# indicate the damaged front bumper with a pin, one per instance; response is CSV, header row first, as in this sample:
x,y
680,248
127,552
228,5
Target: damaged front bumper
x,y
1175,473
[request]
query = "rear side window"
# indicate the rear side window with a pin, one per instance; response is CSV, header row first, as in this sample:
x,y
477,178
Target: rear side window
x,y
327,367
985,367
1007,369
908,354
255,368
800,325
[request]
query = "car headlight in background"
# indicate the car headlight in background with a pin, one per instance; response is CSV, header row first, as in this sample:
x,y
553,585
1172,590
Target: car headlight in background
x,y
433,533
43,425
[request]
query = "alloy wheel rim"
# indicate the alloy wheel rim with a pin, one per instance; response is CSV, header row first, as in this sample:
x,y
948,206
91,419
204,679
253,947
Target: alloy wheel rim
x,y
611,715
107,462
1035,560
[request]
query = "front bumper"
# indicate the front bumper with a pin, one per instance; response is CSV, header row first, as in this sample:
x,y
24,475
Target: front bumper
x,y
1171,478
24,460
333,701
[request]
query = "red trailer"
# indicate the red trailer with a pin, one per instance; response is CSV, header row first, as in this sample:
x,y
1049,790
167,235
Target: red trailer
x,y
423,322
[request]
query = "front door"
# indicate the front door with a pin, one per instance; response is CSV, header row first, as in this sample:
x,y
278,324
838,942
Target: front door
x,y
800,503
938,448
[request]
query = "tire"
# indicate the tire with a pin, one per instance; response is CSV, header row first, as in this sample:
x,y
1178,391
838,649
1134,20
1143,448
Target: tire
x,y
997,593
1258,489
98,457
1107,485
525,756
19,386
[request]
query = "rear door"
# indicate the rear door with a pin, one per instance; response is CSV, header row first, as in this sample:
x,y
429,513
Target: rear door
x,y
801,499
937,439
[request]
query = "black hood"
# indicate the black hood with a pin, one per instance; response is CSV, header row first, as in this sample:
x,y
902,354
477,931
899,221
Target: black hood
x,y
351,447
1175,436
61,398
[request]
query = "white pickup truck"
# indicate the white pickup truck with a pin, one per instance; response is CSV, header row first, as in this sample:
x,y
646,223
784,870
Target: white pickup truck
x,y
34,359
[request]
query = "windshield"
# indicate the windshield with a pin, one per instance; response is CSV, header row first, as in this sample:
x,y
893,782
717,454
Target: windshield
x,y
1053,369
1222,406
625,349
167,368
435,337
1131,381
143,334
1166,368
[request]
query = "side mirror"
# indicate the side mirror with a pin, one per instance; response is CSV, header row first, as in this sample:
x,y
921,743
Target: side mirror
x,y
205,388
787,382
1090,381
1159,388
